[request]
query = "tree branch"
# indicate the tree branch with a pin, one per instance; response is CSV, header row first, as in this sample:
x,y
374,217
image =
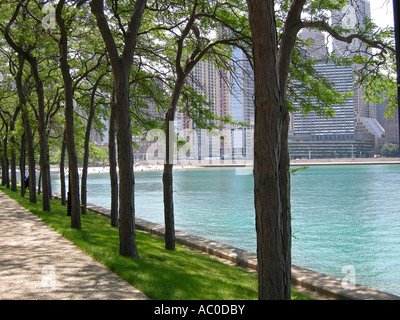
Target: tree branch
x,y
97,7
349,38
132,32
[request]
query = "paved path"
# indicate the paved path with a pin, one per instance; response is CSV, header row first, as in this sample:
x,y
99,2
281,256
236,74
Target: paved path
x,y
36,262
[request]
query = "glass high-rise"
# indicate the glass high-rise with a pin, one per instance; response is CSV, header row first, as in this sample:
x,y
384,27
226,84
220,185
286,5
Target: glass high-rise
x,y
354,130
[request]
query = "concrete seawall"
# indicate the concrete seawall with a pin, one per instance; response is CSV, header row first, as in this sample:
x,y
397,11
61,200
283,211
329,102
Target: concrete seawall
x,y
344,161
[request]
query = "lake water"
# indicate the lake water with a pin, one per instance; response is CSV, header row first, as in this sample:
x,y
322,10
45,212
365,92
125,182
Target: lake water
x,y
342,215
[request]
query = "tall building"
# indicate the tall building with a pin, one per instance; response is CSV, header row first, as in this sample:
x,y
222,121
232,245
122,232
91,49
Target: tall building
x,y
204,144
241,105
391,125
241,89
355,15
228,93
352,15
339,127
354,130
319,49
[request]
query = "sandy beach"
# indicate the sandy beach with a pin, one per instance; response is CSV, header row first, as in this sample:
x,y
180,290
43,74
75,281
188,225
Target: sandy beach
x,y
215,164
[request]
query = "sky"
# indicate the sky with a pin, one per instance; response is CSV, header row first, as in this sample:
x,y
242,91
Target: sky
x,y
382,12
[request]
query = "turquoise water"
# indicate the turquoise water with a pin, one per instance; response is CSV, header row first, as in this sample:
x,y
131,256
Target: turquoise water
x,y
342,215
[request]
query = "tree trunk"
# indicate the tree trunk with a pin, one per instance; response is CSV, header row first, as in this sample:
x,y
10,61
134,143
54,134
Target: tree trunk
x,y
31,156
121,66
5,167
168,181
27,131
273,270
86,162
125,165
288,40
43,138
13,156
169,207
22,156
284,184
62,171
69,121
87,144
113,170
126,181
169,160
13,163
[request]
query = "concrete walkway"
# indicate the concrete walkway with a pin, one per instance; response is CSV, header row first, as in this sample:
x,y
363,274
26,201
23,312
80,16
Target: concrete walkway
x,y
36,262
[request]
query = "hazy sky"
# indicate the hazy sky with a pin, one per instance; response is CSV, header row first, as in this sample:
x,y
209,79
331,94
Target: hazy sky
x,y
382,12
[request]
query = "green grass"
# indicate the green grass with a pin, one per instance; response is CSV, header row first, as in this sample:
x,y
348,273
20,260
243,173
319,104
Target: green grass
x,y
159,273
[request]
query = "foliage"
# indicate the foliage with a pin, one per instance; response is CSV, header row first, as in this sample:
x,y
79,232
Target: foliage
x,y
390,150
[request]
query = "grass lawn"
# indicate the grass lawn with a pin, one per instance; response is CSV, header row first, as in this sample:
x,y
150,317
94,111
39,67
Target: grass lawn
x,y
159,273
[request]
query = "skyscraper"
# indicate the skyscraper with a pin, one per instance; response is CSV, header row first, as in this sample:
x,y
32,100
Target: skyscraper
x,y
353,131
353,15
242,89
339,127
241,105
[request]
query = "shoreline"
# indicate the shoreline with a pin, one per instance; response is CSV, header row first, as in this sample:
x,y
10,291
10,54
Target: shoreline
x,y
344,161
247,164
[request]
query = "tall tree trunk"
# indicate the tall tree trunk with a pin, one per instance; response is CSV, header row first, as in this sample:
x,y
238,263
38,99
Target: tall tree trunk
x,y
125,165
5,164
288,39
113,170
69,120
27,130
86,163
22,157
271,153
87,144
13,156
121,66
13,164
30,153
168,191
43,138
31,156
62,171
273,272
168,183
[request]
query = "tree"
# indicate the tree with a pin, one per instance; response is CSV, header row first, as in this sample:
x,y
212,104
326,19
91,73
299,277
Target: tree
x,y
25,47
22,87
12,118
69,119
92,110
272,59
113,169
121,67
390,150
186,39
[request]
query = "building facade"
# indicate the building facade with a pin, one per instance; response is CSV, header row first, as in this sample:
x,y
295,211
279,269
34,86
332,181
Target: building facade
x,y
353,131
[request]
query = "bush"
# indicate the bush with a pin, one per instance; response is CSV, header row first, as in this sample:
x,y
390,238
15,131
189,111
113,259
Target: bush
x,y
390,150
